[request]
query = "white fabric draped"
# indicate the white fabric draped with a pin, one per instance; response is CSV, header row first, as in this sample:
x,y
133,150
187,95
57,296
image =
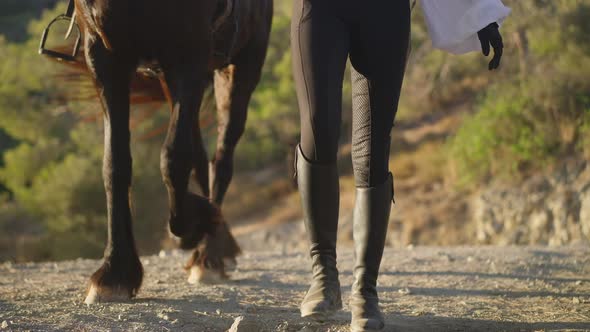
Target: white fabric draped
x,y
453,24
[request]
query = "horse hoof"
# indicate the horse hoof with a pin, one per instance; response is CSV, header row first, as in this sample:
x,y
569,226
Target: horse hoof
x,y
231,265
115,281
97,295
200,275
213,257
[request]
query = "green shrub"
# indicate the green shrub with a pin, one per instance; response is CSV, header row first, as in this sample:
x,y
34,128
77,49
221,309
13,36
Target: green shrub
x,y
505,136
532,120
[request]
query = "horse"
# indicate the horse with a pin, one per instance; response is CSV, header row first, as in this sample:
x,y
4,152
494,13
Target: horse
x,y
192,43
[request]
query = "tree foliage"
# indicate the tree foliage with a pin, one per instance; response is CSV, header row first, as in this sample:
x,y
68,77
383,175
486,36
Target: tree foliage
x,y
52,172
537,112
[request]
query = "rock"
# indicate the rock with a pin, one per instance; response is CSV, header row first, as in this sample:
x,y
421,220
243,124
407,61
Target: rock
x,y
446,257
549,209
540,226
4,324
576,300
282,327
308,329
250,308
559,206
247,324
585,211
405,291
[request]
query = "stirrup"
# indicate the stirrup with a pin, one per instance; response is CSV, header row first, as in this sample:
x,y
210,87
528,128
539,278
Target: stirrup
x,y
70,17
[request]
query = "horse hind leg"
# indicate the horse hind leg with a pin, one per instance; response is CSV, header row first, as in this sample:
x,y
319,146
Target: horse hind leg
x,y
121,273
232,97
234,86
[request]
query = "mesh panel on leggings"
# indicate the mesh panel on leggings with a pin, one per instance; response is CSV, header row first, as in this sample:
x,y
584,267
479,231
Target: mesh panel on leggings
x,y
361,129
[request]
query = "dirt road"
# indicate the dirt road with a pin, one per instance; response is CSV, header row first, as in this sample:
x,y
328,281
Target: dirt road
x,y
422,289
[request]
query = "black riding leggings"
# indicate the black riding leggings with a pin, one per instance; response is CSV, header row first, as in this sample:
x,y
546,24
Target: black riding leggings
x,y
375,35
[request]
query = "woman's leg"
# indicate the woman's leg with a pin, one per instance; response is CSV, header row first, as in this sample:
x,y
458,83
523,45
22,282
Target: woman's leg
x,y
320,45
320,49
378,55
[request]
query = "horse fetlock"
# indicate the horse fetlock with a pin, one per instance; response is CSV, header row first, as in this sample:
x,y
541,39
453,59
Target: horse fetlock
x,y
115,281
214,257
202,275
177,226
97,294
198,218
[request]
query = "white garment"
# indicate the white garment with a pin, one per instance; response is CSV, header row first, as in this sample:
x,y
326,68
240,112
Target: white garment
x,y
453,24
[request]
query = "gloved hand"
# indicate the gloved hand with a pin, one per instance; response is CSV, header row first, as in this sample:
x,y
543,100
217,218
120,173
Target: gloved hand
x,y
490,35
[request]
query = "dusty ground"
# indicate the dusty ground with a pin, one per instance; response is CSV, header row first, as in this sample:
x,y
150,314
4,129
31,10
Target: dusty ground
x,y
422,289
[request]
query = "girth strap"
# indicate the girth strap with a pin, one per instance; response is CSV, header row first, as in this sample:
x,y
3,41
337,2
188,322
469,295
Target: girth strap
x,y
229,15
228,7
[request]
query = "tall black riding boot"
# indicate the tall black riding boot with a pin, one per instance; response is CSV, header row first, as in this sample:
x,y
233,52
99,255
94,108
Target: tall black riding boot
x,y
370,219
319,190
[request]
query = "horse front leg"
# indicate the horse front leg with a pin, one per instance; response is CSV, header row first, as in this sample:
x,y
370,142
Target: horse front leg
x,y
200,172
121,273
186,87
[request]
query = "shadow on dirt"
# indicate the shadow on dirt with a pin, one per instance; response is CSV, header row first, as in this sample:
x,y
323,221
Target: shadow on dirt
x,y
486,275
433,323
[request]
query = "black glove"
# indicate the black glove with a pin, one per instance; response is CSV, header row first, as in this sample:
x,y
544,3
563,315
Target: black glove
x,y
490,35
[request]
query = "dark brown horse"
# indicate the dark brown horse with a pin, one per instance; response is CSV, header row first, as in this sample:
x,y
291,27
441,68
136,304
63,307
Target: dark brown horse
x,y
192,42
